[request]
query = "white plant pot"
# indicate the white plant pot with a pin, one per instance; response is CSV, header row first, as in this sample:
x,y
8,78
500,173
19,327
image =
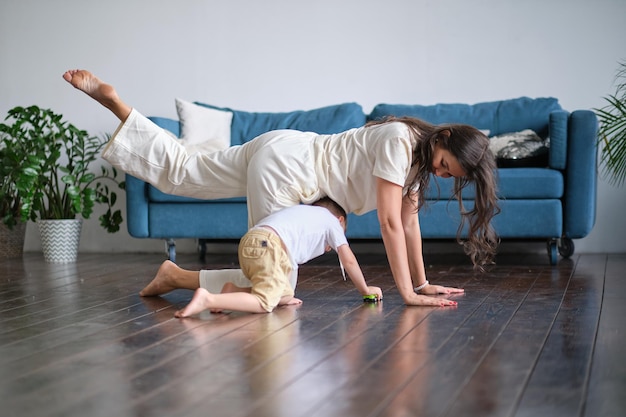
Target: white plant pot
x,y
60,239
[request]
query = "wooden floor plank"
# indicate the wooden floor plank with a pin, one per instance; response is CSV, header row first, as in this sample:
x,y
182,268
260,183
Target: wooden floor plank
x,y
453,363
276,359
557,386
141,373
607,382
500,378
527,338
399,336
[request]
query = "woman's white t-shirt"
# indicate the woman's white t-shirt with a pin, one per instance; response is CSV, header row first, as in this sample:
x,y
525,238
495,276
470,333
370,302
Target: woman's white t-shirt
x,y
348,163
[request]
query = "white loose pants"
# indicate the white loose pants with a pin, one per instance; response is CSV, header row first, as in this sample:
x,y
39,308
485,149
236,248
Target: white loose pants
x,y
213,280
274,171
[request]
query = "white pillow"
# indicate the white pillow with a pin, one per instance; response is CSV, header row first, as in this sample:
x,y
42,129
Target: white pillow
x,y
203,129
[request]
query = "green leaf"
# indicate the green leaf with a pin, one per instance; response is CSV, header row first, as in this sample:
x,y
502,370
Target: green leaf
x,y
68,179
73,191
87,178
30,171
612,132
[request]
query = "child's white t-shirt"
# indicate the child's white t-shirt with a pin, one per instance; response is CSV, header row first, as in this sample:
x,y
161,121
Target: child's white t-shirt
x,y
306,231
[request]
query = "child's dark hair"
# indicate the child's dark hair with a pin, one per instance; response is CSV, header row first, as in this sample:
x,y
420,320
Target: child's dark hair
x,y
333,207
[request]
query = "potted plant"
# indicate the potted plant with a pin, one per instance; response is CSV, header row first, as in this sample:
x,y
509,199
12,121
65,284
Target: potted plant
x,y
15,174
612,133
54,185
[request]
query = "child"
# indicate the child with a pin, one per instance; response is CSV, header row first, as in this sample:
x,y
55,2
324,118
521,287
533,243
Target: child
x,y
269,255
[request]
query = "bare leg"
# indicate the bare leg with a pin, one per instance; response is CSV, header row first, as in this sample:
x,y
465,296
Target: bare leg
x,y
171,277
230,287
203,300
103,93
284,301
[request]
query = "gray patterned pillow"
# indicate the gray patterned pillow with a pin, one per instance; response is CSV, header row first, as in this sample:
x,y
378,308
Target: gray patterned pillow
x,y
517,149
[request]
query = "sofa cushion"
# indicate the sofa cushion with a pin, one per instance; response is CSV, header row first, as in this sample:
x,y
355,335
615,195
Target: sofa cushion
x,y
156,196
513,183
440,220
497,116
520,149
210,221
529,219
203,129
331,119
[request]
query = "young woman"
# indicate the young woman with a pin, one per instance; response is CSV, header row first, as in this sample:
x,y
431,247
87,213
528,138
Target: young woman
x,y
384,165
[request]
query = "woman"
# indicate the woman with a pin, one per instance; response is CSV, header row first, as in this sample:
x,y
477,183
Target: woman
x,y
384,165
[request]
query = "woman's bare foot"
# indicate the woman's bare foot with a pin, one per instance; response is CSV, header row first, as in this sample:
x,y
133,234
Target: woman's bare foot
x,y
103,93
166,280
199,302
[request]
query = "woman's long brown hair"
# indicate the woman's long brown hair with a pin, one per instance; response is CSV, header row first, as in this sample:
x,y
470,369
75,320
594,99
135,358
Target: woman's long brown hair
x,y
471,148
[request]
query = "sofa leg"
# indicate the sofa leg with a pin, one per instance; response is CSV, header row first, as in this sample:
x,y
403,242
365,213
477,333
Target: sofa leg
x,y
552,251
202,249
170,249
566,247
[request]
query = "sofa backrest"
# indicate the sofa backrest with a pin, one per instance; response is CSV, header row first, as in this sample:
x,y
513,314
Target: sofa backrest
x,y
497,117
331,119
542,115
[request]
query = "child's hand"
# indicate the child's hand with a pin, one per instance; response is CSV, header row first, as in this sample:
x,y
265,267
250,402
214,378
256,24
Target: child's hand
x,y
375,291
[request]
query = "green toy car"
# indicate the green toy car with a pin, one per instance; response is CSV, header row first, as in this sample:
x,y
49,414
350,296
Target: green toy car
x,y
370,298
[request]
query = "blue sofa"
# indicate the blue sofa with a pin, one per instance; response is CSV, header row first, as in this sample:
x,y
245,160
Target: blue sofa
x,y
553,201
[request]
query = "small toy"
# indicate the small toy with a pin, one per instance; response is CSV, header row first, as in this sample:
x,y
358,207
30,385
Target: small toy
x,y
370,298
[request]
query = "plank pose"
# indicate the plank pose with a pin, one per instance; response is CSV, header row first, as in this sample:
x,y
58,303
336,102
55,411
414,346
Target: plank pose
x,y
384,165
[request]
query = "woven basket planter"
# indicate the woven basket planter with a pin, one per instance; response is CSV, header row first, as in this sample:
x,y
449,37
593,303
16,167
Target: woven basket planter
x,y
12,240
60,239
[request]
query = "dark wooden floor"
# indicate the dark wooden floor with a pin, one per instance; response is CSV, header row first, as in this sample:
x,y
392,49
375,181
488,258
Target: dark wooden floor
x,y
527,339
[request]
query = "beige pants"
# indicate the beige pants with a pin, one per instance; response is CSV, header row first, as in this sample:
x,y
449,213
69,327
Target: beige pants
x,y
266,268
264,261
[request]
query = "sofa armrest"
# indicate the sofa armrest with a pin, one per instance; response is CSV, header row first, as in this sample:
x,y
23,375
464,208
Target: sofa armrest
x,y
137,207
581,174
557,127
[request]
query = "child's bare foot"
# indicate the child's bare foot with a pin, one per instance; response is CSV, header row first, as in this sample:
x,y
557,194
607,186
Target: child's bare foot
x,y
293,301
198,303
103,93
164,281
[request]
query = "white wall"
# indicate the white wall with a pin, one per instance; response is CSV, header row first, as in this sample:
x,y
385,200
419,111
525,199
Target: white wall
x,y
281,55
